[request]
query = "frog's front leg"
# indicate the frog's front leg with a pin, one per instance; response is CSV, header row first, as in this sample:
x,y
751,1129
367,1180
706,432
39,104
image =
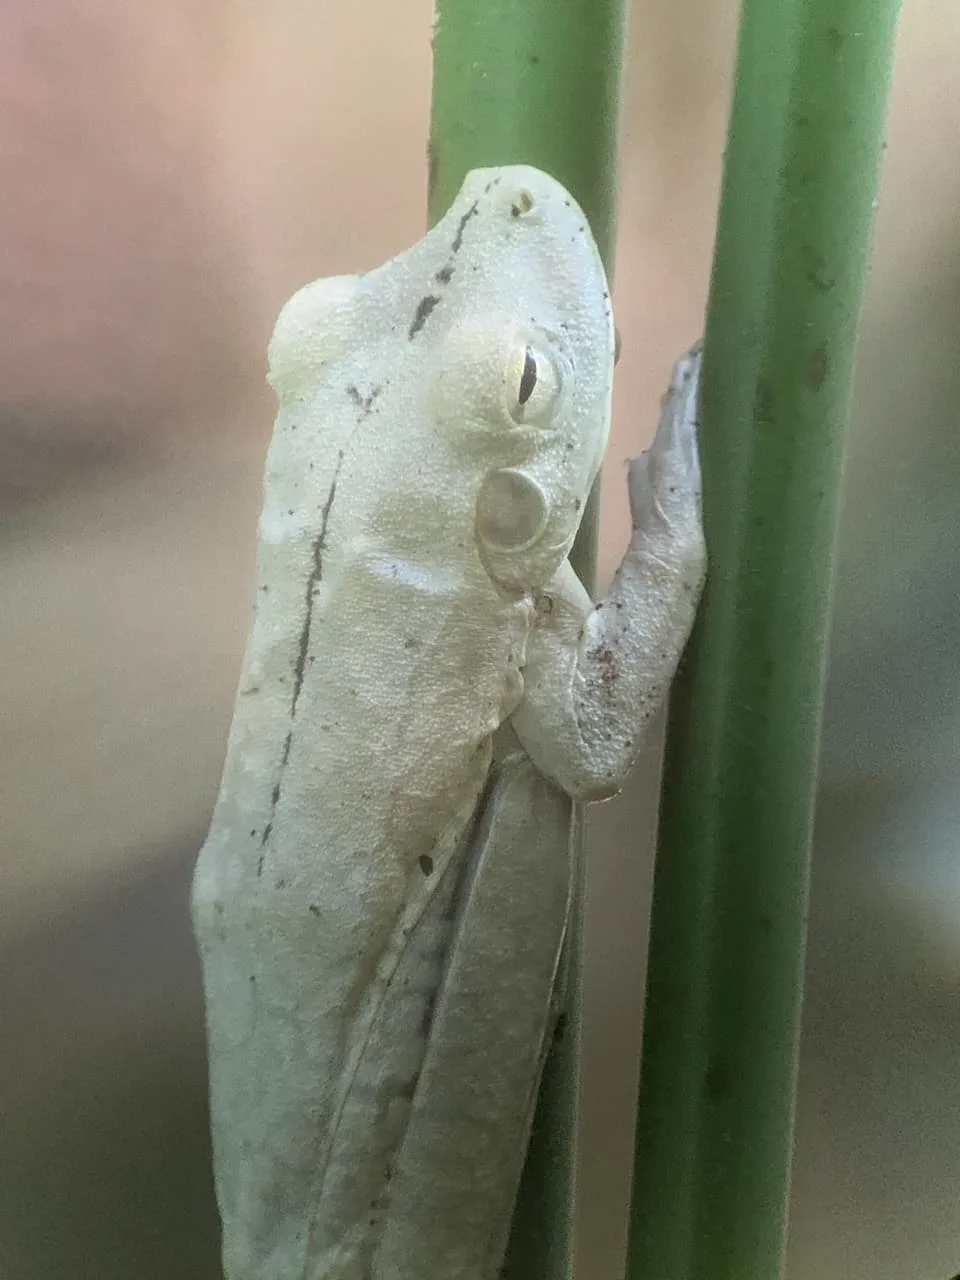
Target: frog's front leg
x,y
454,1179
596,675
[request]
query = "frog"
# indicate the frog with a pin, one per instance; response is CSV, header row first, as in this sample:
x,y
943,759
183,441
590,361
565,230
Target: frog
x,y
382,901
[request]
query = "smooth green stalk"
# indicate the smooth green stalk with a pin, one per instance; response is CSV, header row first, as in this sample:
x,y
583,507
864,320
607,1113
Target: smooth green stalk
x,y
714,1129
536,82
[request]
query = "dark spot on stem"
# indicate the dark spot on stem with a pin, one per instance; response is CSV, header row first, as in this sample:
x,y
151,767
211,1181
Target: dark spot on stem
x,y
763,404
817,368
429,1009
717,1081
815,270
432,166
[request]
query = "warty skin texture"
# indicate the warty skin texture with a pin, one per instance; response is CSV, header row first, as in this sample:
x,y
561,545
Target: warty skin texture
x,y
441,421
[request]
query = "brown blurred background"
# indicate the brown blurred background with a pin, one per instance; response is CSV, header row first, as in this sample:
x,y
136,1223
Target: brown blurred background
x,y
170,173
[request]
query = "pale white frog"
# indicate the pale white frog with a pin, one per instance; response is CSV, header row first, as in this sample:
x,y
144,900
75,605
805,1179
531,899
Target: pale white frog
x,y
379,908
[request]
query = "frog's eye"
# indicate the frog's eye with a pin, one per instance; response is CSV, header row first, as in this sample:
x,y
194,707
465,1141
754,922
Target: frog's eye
x,y
532,384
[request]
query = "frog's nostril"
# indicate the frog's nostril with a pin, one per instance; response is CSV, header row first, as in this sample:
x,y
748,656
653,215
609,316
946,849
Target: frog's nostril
x,y
523,202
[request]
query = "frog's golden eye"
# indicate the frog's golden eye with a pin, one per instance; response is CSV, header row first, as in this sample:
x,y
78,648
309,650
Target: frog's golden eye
x,y
532,384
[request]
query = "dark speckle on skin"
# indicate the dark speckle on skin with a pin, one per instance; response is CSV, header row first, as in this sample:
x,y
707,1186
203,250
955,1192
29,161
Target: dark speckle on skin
x,y
817,368
313,580
363,402
424,308
445,274
607,670
426,864
458,238
313,909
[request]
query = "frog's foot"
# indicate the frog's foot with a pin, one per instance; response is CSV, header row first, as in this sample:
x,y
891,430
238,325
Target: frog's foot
x,y
664,482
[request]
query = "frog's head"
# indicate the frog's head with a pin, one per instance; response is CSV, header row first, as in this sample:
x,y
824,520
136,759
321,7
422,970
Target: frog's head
x,y
525,380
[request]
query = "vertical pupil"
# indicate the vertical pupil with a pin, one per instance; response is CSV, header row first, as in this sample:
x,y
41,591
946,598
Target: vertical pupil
x,y
528,379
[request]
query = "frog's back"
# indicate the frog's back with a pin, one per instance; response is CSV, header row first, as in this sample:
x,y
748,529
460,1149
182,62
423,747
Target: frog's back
x,y
418,446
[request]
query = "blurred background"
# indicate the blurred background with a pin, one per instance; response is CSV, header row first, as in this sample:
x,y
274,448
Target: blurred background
x,y
170,173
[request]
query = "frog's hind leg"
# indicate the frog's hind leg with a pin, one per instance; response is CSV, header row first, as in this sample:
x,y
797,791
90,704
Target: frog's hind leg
x,y
454,1180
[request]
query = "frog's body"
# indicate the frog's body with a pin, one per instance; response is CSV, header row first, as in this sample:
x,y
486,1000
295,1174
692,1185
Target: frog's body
x,y
441,423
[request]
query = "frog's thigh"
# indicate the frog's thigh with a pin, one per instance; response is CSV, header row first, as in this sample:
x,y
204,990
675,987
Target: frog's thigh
x,y
456,1175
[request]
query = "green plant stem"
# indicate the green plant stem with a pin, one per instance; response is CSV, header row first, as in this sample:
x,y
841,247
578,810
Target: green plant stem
x,y
715,1119
537,82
